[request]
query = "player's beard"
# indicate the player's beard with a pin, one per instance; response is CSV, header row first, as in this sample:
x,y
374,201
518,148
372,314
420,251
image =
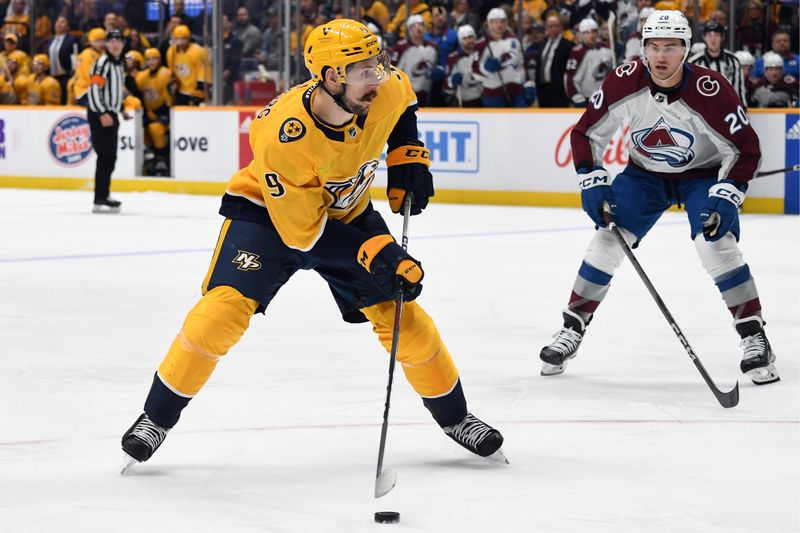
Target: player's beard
x,y
360,105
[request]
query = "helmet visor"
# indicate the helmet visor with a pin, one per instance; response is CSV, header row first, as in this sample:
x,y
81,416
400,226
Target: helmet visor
x,y
372,71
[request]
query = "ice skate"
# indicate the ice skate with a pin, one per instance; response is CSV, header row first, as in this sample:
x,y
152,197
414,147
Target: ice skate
x,y
564,347
142,440
758,360
108,205
478,437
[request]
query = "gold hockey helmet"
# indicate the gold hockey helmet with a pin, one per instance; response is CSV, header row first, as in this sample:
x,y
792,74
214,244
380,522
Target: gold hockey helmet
x,y
339,43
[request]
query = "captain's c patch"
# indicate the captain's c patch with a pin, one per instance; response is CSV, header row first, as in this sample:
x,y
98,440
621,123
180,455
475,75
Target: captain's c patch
x,y
291,130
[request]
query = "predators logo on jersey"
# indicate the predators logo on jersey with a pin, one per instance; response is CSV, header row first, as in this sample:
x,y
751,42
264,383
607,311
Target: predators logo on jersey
x,y
346,193
291,130
245,260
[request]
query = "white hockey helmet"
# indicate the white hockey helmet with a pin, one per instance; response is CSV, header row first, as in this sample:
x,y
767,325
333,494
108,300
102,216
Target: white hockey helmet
x,y
745,58
414,19
465,31
496,13
771,59
588,25
667,25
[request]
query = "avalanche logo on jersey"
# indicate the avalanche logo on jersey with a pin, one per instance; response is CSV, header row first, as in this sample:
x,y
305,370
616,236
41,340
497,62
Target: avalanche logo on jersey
x,y
664,144
346,193
291,130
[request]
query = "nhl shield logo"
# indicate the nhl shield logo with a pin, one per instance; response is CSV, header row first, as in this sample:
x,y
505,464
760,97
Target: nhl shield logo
x,y
664,144
291,130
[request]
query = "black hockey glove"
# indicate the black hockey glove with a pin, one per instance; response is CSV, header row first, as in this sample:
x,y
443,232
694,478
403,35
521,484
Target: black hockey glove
x,y
390,264
408,172
595,191
720,214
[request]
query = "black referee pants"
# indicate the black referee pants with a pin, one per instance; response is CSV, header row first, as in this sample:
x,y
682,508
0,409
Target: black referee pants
x,y
105,143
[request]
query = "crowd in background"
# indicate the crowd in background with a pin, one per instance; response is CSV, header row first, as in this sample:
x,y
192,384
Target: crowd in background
x,y
468,53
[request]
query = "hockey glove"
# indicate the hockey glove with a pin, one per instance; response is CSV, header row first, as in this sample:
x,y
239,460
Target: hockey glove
x,y
390,264
595,190
492,65
721,210
456,79
436,74
408,172
529,93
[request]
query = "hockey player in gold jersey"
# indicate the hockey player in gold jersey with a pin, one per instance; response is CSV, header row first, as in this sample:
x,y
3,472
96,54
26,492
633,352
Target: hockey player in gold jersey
x,y
156,83
303,204
189,62
78,85
43,89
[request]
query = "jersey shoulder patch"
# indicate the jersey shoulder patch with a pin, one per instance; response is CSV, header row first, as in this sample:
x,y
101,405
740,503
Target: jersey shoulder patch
x,y
292,129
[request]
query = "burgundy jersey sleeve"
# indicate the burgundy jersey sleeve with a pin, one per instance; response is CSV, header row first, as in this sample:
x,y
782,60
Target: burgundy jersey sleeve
x,y
598,123
718,110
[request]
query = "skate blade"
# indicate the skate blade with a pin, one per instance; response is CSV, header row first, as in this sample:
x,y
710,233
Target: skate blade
x,y
104,209
764,375
552,370
128,462
385,482
498,457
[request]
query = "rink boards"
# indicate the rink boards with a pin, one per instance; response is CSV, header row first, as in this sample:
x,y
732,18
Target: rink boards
x,y
502,157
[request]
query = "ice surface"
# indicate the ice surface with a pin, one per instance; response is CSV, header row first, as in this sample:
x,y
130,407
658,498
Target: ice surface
x,y
284,438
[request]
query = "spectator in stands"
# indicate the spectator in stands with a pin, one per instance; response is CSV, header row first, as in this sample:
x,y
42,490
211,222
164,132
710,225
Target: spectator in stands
x,y
15,77
462,14
43,89
377,11
446,41
110,22
716,58
195,24
271,41
707,7
42,28
59,52
534,8
188,60
17,22
397,26
781,45
627,19
417,57
776,89
247,33
460,81
720,17
500,62
588,65
165,41
231,58
553,65
751,28
746,60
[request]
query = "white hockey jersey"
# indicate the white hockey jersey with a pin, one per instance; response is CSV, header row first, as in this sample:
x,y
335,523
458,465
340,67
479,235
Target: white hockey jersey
x,y
471,87
698,130
586,70
416,61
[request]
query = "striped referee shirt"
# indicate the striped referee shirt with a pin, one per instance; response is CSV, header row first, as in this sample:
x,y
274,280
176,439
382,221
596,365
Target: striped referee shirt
x,y
727,65
107,85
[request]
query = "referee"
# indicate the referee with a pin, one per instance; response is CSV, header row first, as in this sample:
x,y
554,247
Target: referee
x,y
720,60
106,88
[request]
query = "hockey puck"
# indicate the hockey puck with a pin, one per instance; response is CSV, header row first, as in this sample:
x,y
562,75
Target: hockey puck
x,y
387,517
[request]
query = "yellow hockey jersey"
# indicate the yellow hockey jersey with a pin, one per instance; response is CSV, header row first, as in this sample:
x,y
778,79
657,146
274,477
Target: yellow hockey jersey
x,y
189,67
304,171
155,87
8,95
44,91
86,61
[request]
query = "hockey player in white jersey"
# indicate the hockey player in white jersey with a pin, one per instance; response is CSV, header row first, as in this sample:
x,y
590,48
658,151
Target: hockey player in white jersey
x,y
501,64
418,57
588,64
461,81
691,145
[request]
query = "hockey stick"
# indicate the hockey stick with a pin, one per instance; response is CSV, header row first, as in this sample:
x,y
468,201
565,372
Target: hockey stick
x,y
792,168
612,18
385,479
726,399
